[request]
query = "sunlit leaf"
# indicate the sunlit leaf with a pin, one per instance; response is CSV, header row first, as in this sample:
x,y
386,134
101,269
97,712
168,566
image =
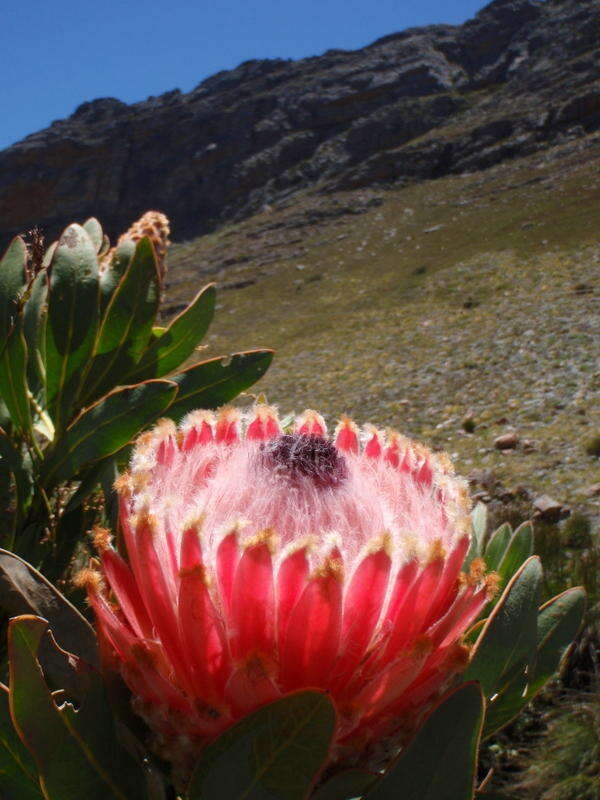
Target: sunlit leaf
x,y
126,323
72,318
557,624
508,638
94,231
106,427
178,340
496,547
211,384
12,282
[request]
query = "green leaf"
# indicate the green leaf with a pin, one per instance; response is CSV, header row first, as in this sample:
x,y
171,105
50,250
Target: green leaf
x,y
210,384
13,348
507,640
479,520
497,545
34,321
115,269
72,318
106,427
440,763
346,785
127,322
479,517
126,325
11,460
13,380
23,590
49,255
178,341
557,625
276,752
558,622
77,753
94,231
18,774
12,283
519,549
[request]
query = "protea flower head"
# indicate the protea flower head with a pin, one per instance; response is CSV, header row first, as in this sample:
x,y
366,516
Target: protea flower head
x,y
262,562
154,225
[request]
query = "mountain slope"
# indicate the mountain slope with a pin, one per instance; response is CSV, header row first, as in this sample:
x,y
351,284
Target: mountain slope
x,y
519,77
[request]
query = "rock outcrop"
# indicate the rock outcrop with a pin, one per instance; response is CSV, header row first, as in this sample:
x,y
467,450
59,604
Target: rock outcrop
x,y
426,102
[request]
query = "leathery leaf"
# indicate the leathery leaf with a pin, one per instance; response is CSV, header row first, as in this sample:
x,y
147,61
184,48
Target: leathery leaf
x,y
276,752
72,321
179,339
210,384
77,752
106,427
441,761
18,773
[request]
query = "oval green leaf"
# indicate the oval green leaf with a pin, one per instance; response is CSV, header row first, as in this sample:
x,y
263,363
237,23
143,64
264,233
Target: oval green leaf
x,y
177,342
18,773
126,324
13,380
94,231
479,523
77,753
507,641
34,320
441,761
519,549
213,383
12,283
496,547
114,269
73,300
276,752
11,463
557,625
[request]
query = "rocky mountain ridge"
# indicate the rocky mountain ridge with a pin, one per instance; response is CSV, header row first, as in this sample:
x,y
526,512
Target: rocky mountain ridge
x,y
522,75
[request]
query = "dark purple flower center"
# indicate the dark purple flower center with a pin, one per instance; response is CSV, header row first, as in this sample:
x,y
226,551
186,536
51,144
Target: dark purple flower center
x,y
299,455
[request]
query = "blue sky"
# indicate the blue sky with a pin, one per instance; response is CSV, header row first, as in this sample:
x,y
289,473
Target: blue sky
x,y
56,54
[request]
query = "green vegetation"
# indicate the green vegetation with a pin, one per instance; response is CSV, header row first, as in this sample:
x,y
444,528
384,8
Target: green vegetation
x,y
83,370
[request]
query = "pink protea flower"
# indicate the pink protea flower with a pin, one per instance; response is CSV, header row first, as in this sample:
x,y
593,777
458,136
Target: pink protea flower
x,y
262,562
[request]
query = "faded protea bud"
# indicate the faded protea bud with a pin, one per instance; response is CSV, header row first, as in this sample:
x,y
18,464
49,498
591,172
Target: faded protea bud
x,y
261,562
154,225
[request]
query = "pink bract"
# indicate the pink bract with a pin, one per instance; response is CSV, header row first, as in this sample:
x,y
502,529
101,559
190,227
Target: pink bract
x,y
262,562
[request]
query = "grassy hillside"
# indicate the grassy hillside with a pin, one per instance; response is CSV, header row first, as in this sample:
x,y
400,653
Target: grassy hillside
x,y
412,307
